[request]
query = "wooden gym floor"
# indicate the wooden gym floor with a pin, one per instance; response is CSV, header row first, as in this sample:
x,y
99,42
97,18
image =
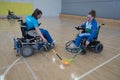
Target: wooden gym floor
x,y
47,66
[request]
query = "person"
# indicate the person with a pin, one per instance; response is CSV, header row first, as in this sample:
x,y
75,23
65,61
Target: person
x,y
33,24
90,27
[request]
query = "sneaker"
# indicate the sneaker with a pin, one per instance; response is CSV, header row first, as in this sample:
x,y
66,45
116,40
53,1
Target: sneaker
x,y
72,45
53,42
52,45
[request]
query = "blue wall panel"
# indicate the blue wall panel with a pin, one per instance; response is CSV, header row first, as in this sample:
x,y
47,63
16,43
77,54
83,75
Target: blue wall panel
x,y
104,8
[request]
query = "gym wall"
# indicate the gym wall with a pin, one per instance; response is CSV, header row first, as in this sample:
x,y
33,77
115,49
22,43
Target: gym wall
x,y
104,8
25,7
48,7
19,8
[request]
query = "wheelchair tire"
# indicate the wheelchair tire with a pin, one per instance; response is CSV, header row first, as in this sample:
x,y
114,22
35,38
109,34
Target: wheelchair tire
x,y
26,51
98,48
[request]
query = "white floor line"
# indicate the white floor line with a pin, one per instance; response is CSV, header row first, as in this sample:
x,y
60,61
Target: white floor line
x,y
32,72
9,65
4,74
111,47
92,70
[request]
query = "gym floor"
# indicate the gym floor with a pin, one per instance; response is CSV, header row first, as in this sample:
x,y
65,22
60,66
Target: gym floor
x,y
46,65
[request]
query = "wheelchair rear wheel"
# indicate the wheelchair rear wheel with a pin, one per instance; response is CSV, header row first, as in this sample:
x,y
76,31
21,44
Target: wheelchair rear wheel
x,y
98,48
26,51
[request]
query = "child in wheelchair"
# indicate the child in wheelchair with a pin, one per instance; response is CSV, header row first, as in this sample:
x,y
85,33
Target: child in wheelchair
x,y
33,25
33,38
87,36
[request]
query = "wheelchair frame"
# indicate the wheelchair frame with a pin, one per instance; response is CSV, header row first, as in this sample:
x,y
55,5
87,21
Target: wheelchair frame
x,y
95,45
27,45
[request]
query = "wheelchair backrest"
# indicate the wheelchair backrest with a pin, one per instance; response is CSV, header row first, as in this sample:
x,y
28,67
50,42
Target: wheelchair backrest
x,y
23,28
97,32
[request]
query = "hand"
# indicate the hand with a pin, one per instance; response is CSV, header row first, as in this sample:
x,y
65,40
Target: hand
x,y
86,44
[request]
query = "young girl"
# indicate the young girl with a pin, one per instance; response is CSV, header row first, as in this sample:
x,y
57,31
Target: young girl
x,y
33,24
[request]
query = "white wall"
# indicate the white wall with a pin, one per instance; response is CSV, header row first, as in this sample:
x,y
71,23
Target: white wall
x,y
48,7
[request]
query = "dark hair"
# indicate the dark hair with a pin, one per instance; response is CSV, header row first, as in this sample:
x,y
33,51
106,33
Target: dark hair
x,y
92,13
36,13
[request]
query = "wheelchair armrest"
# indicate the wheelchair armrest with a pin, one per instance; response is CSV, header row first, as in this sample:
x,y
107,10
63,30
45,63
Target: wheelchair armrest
x,y
24,24
21,22
79,28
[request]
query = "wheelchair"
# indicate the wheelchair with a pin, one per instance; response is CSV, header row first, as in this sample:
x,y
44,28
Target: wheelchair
x,y
29,43
95,45
11,15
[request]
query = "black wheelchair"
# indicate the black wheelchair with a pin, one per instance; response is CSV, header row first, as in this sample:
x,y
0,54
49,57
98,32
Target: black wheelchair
x,y
95,45
30,42
11,15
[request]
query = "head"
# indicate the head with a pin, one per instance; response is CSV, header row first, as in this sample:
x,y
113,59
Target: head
x,y
91,15
37,13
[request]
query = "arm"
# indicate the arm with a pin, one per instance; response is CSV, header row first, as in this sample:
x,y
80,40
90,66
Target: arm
x,y
36,26
40,34
83,25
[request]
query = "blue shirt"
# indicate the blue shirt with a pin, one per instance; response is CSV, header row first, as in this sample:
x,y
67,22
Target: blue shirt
x,y
92,28
31,22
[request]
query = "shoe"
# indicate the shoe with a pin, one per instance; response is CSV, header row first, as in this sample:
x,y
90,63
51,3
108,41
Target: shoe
x,y
72,46
52,46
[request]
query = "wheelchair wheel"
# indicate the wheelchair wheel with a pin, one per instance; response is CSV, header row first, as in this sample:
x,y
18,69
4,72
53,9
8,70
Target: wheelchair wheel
x,y
26,51
98,48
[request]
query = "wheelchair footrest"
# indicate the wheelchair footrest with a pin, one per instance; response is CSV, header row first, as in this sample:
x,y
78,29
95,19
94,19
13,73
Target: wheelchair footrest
x,y
80,50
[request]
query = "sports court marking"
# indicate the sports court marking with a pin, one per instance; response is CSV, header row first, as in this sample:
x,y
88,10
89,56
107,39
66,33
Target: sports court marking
x,y
61,66
32,72
4,67
111,47
95,68
4,74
